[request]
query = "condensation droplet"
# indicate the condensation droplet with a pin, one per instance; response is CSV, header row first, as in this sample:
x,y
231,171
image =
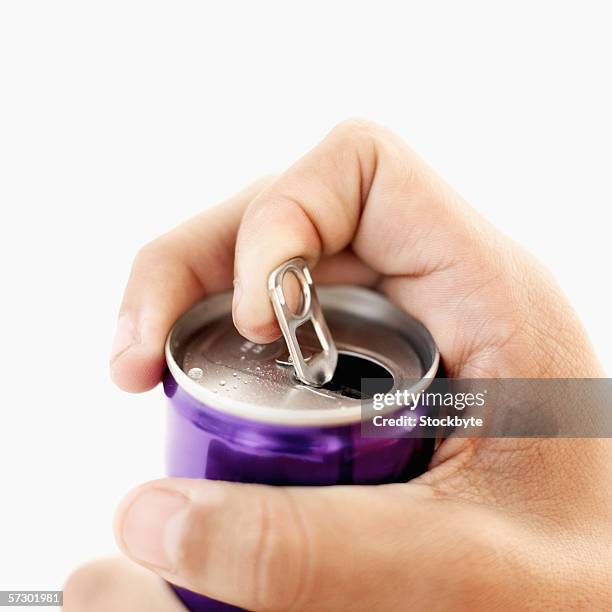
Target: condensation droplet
x,y
195,373
222,383
234,373
235,386
258,368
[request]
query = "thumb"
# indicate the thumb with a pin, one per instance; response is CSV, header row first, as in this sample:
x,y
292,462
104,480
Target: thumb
x,y
263,547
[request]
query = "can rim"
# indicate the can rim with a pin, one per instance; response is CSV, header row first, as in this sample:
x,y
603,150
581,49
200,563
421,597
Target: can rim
x,y
345,415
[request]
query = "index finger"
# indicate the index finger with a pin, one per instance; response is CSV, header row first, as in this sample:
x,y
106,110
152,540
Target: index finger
x,y
360,187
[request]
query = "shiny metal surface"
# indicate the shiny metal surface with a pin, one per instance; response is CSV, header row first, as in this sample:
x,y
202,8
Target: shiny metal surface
x,y
319,369
245,379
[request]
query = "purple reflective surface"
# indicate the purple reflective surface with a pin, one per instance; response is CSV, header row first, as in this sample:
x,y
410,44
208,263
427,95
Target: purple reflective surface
x,y
204,443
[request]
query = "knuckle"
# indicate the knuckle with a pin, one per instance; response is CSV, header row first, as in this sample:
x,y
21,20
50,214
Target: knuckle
x,y
357,128
264,181
189,564
195,547
153,251
148,252
261,556
281,555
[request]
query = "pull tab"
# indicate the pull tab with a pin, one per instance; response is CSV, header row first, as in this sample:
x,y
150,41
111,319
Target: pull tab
x,y
320,367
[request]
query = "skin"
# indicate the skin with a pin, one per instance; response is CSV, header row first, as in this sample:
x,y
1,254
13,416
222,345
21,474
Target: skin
x,y
493,524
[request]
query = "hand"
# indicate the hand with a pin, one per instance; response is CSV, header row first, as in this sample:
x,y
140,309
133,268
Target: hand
x,y
494,523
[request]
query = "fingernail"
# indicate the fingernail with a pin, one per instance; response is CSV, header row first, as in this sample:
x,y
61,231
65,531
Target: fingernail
x,y
151,525
125,336
236,299
237,294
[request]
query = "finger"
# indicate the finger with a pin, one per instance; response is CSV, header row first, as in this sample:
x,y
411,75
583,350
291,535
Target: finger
x,y
302,548
362,187
118,584
257,547
347,268
168,276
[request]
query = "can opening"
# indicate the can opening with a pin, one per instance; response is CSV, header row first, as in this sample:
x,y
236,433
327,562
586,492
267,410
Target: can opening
x,y
351,369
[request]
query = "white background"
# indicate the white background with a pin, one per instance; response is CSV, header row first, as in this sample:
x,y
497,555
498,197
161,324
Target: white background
x,y
120,119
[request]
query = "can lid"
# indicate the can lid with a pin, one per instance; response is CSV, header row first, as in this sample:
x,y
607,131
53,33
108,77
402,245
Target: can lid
x,y
218,367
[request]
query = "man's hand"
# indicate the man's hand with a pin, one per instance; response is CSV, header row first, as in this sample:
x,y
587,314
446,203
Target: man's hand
x,y
493,523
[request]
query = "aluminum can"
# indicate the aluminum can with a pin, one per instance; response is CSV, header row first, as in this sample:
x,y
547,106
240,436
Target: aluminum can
x,y
236,411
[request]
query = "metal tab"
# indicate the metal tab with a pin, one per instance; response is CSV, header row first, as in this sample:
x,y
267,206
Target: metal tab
x,y
319,369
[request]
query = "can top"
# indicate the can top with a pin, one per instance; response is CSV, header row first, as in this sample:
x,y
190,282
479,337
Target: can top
x,y
218,367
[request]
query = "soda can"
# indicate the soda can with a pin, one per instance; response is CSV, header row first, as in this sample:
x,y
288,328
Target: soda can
x,y
238,412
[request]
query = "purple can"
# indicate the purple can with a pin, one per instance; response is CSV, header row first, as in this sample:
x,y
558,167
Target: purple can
x,y
238,413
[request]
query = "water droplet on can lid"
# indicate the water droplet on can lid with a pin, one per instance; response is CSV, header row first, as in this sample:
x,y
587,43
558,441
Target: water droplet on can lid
x,y
195,373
